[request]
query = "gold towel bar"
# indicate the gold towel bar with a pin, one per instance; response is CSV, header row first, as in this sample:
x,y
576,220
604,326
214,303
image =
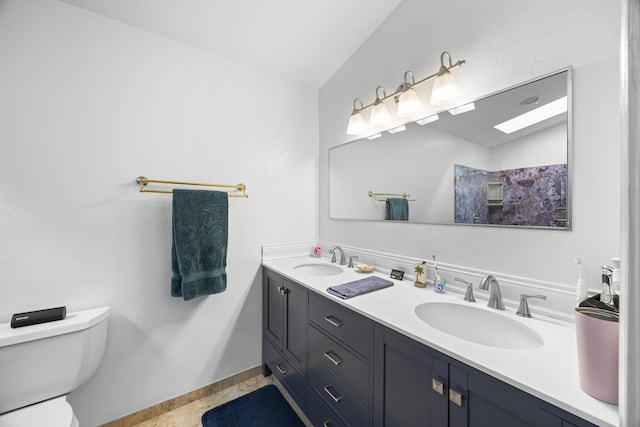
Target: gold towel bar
x,y
143,181
374,196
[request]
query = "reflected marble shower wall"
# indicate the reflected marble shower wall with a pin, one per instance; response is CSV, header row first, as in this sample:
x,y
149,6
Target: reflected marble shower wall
x,y
533,196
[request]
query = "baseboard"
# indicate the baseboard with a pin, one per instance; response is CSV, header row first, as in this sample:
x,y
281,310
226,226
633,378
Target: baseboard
x,y
176,402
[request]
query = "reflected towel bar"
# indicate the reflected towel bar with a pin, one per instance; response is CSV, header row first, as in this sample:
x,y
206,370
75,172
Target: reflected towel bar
x,y
143,181
374,196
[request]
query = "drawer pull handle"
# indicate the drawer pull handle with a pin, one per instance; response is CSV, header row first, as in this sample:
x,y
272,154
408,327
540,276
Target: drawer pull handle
x,y
333,396
335,322
281,368
326,423
455,397
437,386
334,359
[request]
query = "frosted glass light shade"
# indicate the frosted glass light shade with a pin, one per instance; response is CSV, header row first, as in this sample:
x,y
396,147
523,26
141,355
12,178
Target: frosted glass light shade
x,y
444,88
408,103
379,114
356,124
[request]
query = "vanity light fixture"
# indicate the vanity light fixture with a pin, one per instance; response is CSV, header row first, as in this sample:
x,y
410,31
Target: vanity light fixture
x,y
427,120
462,109
445,85
397,129
356,121
407,100
380,113
532,117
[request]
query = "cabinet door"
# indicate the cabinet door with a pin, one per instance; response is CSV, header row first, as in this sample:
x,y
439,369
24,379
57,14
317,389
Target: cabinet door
x,y
295,329
492,403
410,384
273,308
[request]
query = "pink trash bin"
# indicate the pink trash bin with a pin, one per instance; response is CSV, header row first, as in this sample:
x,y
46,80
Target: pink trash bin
x,y
597,333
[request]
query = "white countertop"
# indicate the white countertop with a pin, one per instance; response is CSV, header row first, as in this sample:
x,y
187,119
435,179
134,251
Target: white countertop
x,y
549,372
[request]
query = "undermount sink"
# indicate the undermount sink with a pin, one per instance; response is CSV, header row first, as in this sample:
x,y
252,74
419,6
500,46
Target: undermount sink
x,y
319,269
479,326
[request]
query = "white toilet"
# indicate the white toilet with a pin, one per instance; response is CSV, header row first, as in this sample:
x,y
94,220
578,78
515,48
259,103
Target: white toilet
x,y
41,364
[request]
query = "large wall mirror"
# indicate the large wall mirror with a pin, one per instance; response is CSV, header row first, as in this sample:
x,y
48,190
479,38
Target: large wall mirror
x,y
505,161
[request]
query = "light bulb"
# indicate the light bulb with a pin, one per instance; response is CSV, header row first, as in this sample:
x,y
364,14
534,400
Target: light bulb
x,y
379,113
356,124
408,103
444,87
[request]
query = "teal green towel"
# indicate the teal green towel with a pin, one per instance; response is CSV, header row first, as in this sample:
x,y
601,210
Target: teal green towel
x,y
397,209
199,247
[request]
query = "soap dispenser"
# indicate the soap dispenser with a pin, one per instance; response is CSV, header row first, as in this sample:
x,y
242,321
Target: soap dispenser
x,y
606,296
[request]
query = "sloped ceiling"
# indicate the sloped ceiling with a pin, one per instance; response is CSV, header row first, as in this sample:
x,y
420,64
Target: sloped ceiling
x,y
303,40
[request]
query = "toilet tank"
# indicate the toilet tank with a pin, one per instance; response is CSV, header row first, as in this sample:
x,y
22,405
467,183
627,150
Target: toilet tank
x,y
43,361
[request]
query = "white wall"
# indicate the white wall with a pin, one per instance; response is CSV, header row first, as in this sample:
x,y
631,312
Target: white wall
x,y
546,147
504,43
88,104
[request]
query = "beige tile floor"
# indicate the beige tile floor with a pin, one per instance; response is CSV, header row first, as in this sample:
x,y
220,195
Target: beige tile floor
x,y
190,414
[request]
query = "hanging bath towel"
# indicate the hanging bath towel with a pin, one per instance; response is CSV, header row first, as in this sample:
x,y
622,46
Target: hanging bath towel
x,y
199,247
397,209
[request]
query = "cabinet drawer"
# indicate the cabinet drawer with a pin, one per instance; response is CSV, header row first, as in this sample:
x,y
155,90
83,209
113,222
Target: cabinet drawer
x,y
339,361
320,414
285,373
337,395
342,323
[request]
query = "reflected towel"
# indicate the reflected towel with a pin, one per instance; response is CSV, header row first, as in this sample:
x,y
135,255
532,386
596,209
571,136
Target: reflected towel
x,y
199,247
397,209
359,287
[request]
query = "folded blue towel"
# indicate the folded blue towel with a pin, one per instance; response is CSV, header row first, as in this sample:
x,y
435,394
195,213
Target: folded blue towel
x,y
199,246
359,287
397,209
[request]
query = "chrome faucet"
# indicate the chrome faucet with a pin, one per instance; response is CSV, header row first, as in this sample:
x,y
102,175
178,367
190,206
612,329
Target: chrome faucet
x,y
343,257
523,308
495,296
351,258
468,295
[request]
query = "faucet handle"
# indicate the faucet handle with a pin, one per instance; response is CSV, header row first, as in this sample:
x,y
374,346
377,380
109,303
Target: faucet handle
x,y
468,295
351,257
523,308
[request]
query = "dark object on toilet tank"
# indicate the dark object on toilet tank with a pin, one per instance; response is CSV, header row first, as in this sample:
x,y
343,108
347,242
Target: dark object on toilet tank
x,y
39,316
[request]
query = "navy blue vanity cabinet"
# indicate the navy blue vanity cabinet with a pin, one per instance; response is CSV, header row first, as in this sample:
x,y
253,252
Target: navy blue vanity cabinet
x,y
340,370
411,384
284,346
487,401
418,386
344,369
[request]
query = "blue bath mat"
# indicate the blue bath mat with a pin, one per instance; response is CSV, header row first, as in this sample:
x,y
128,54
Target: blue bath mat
x,y
264,407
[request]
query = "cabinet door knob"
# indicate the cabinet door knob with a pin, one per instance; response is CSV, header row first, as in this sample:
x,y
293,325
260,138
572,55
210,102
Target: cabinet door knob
x,y
332,395
437,386
333,321
281,368
334,359
282,290
455,397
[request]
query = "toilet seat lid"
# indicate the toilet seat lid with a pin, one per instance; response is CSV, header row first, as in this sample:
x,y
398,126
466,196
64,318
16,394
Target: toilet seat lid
x,y
54,412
